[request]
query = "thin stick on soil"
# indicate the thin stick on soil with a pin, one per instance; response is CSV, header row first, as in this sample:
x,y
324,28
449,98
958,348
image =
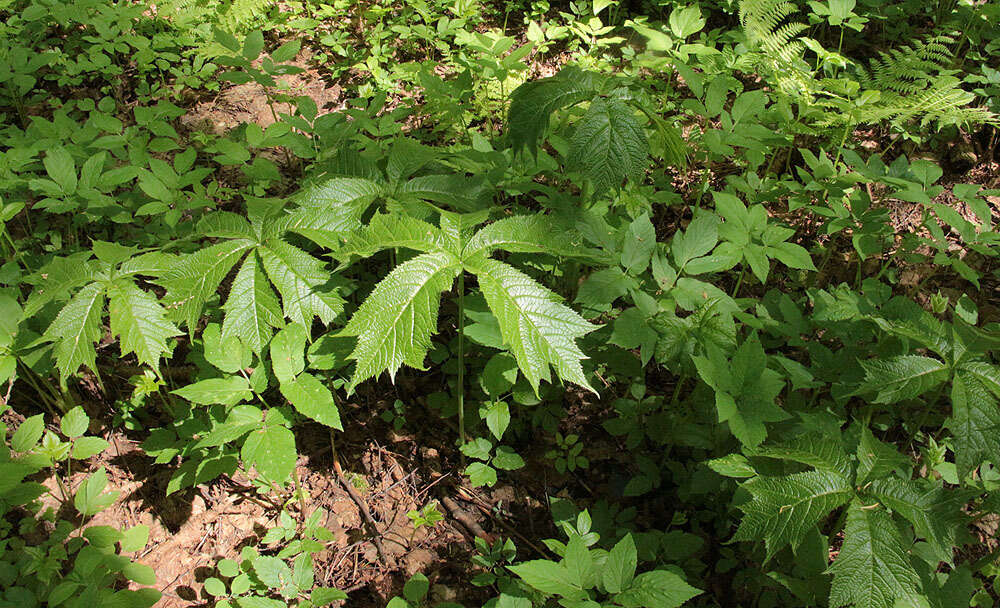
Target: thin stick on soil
x,y
360,502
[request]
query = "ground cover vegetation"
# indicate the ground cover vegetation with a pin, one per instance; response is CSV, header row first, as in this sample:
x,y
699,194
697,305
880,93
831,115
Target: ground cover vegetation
x,y
510,304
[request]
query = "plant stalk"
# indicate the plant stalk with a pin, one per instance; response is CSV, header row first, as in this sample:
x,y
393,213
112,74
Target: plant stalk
x,y
461,360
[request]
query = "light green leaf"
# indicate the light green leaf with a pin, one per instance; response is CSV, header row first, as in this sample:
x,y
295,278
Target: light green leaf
x,y
784,509
395,323
226,391
686,21
640,241
549,577
61,168
28,433
140,322
74,423
619,569
252,308
85,447
90,497
872,569
195,278
75,330
657,589
791,255
271,450
497,418
288,352
536,328
313,400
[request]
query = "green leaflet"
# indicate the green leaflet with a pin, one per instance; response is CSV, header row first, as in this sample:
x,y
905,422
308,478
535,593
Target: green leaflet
x,y
974,421
904,377
784,509
936,513
387,231
299,278
75,330
872,569
395,323
538,330
194,280
609,145
252,310
533,103
140,322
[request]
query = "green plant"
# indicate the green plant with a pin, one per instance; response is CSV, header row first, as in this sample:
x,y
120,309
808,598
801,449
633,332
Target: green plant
x,y
429,517
49,560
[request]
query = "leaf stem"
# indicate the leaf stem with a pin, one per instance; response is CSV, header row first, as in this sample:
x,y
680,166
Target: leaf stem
x,y
461,360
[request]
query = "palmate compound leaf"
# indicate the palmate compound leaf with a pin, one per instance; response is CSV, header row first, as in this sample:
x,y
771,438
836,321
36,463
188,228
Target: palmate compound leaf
x,y
76,328
872,569
140,322
609,145
537,329
784,509
395,323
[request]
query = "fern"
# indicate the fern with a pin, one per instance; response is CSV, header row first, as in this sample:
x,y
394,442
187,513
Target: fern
x,y
908,83
778,50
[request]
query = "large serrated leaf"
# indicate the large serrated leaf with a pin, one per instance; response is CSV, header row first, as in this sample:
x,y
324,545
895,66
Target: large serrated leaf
x,y
140,322
395,322
533,103
196,277
459,192
936,513
872,569
75,330
609,146
524,234
388,231
903,377
974,423
538,329
784,509
252,309
300,280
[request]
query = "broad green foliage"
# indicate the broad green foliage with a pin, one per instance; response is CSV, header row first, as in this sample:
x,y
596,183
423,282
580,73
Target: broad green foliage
x,y
722,272
252,310
395,323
